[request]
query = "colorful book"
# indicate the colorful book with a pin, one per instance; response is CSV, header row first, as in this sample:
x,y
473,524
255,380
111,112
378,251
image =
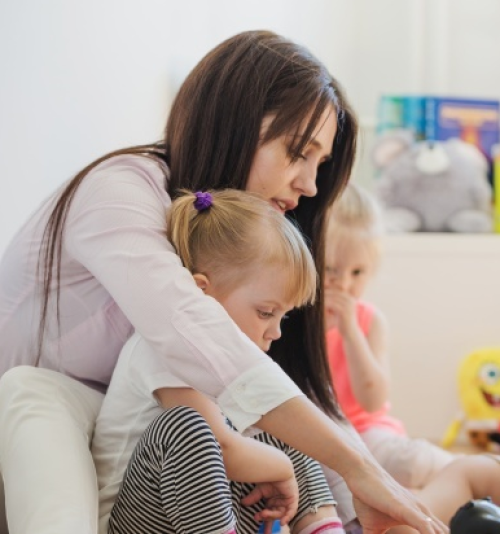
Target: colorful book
x,y
437,118
472,120
390,113
414,115
496,188
402,111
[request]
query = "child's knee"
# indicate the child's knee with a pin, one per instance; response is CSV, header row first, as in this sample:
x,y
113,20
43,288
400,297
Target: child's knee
x,y
178,428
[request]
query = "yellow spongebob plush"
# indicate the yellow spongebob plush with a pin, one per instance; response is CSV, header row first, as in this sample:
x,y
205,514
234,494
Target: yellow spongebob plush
x,y
479,390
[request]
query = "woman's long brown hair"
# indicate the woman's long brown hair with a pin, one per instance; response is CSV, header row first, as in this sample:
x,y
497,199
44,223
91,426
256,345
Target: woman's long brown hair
x,y
210,141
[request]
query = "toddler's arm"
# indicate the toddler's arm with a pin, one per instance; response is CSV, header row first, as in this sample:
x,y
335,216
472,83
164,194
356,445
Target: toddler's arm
x,y
366,355
245,459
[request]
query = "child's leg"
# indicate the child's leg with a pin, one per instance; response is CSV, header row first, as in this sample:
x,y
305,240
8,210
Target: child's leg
x,y
316,512
175,481
412,462
46,423
343,496
468,477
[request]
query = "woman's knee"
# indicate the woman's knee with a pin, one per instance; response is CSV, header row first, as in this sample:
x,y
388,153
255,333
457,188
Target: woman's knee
x,y
28,393
15,379
19,386
34,382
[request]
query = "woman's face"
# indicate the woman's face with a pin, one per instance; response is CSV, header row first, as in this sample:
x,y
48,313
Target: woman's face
x,y
279,180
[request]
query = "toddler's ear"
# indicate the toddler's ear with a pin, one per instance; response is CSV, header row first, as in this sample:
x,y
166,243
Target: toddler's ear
x,y
201,281
389,145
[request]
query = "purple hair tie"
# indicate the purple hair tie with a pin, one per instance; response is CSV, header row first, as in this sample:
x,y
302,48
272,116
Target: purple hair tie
x,y
203,200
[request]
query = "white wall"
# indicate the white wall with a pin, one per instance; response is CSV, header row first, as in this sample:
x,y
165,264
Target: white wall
x,y
425,46
81,78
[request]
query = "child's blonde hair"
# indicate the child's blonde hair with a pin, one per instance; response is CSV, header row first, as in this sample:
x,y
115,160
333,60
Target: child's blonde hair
x,y
356,210
235,236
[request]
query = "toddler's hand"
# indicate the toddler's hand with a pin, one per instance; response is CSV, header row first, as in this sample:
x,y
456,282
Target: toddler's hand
x,y
340,308
281,500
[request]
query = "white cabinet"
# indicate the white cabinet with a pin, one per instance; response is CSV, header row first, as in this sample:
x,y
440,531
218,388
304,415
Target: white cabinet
x,y
441,295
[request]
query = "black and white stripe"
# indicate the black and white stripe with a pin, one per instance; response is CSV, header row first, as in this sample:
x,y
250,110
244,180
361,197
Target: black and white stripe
x,y
314,491
175,482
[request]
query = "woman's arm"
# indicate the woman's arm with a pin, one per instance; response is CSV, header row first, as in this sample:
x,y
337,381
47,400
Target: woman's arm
x,y
116,232
380,501
245,459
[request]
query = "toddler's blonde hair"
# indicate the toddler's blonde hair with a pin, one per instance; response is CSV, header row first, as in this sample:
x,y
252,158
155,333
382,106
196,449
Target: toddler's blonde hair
x,y
355,217
235,237
356,210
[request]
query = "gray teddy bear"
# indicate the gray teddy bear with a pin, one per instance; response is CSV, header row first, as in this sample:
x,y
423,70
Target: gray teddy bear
x,y
432,187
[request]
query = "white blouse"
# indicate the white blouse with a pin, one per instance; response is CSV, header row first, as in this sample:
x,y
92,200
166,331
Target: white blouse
x,y
119,274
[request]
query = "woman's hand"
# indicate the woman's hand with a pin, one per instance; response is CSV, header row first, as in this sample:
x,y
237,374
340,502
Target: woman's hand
x,y
381,503
281,500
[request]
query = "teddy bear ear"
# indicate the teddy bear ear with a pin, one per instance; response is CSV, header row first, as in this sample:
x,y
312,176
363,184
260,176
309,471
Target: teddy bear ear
x,y
469,153
389,145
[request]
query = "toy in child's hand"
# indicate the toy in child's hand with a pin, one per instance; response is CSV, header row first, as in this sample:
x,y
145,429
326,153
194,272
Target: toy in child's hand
x,y
276,528
432,187
480,516
479,390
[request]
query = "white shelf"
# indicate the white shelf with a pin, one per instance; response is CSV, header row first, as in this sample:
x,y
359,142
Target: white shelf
x,y
428,243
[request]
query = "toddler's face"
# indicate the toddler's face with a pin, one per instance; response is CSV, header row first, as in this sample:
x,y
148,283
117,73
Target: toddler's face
x,y
257,306
349,265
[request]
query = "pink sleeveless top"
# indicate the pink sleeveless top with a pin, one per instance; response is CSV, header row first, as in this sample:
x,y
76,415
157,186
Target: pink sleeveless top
x,y
358,416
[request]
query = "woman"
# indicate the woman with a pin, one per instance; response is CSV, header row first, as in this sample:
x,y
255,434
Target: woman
x,y
257,113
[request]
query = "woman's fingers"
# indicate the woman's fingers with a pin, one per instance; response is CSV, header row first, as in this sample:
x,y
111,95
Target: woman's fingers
x,y
412,514
425,521
436,525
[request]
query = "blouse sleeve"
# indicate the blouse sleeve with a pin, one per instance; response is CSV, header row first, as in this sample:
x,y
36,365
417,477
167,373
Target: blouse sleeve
x,y
116,230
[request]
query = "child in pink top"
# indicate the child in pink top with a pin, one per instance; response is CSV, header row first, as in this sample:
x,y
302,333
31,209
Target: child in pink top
x,y
357,343
361,419
357,351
